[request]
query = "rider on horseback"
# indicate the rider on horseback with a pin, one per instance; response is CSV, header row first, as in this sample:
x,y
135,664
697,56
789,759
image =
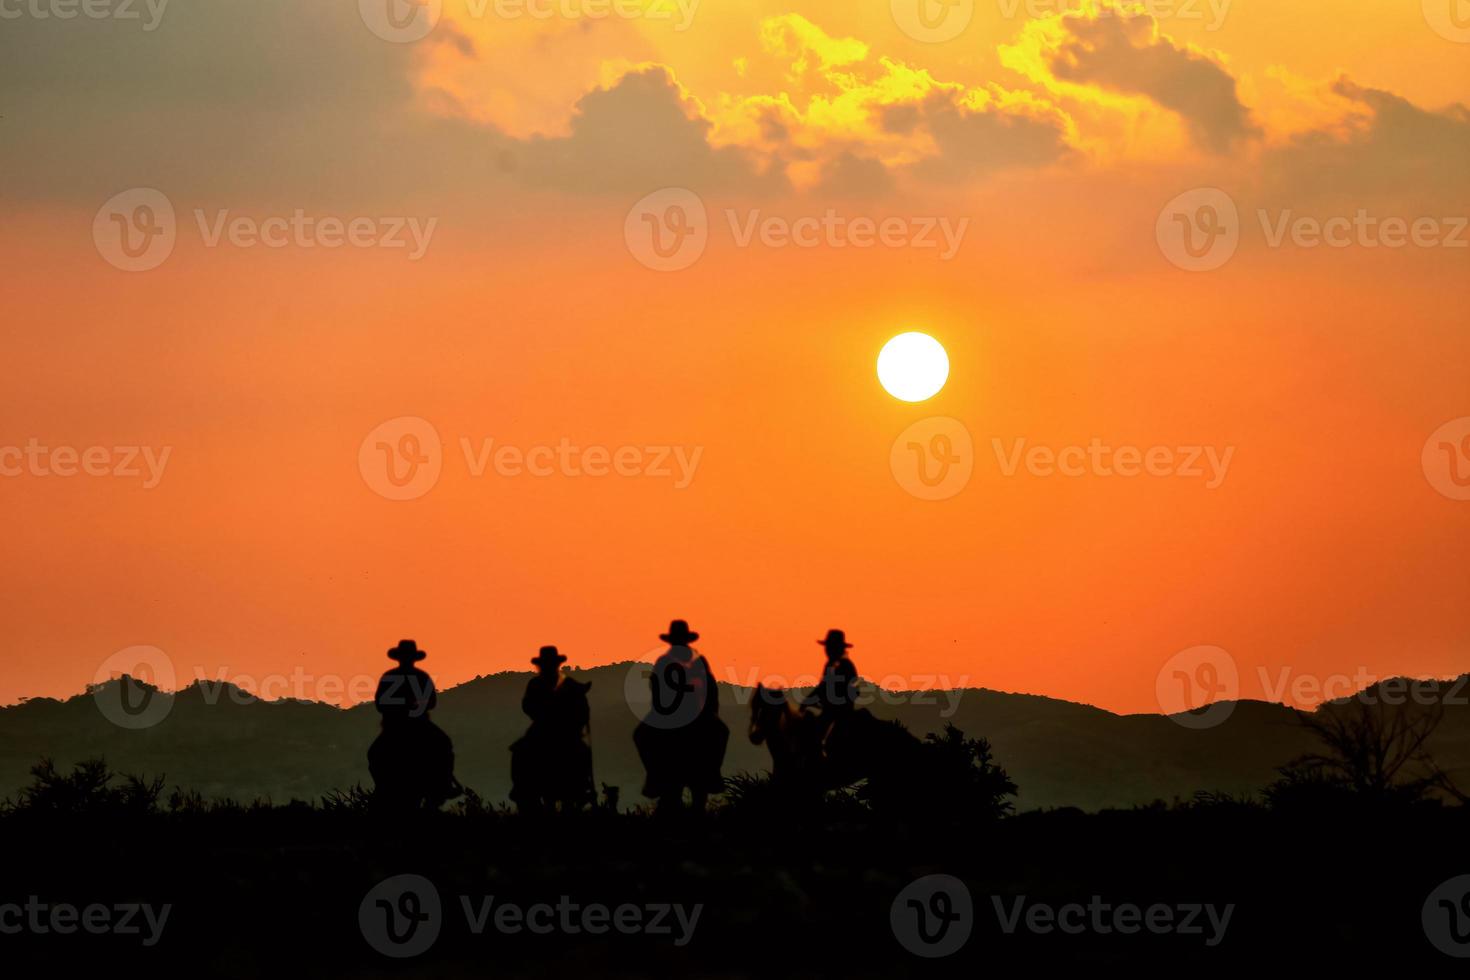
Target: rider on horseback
x,y
682,739
552,762
412,760
835,695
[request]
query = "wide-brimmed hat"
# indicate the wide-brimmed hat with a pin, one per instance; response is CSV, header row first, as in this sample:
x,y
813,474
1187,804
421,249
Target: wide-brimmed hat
x,y
548,657
406,652
835,638
679,634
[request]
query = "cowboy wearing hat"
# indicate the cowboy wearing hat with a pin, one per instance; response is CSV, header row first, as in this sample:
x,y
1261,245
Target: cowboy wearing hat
x,y
836,692
552,762
411,760
682,739
541,689
405,692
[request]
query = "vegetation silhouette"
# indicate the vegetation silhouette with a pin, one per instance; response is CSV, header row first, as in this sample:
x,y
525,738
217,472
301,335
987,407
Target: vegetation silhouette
x,y
884,805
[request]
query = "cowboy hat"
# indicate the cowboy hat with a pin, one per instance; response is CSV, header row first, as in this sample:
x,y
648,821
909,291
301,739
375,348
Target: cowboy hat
x,y
836,638
549,656
679,634
406,652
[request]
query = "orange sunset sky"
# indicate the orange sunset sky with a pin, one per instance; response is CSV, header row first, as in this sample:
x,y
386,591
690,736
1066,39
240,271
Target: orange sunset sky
x,y
1332,546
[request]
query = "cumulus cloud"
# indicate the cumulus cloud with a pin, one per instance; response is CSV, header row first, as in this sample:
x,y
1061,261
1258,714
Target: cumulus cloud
x,y
1127,53
1123,51
973,140
270,101
641,133
849,122
1386,147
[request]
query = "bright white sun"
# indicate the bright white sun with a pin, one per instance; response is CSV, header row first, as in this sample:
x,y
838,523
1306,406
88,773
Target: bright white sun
x,y
913,366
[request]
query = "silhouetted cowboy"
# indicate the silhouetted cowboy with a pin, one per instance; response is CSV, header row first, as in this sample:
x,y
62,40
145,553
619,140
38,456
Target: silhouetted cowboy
x,y
682,739
552,762
835,696
836,692
405,692
411,760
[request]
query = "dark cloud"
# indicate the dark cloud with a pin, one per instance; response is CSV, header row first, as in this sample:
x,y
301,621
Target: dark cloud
x,y
1126,53
1399,151
849,175
974,142
640,135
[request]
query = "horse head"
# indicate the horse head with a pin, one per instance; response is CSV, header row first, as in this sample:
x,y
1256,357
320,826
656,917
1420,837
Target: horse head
x,y
769,711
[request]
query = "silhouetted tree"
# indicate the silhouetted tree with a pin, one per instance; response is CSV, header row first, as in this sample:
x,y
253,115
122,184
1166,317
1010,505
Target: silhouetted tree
x,y
1370,752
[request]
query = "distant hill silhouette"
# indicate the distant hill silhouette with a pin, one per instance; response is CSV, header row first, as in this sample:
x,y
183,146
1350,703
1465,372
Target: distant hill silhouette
x,y
1060,753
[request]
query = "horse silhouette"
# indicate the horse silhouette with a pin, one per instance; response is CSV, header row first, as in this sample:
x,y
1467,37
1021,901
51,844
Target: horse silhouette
x,y
813,754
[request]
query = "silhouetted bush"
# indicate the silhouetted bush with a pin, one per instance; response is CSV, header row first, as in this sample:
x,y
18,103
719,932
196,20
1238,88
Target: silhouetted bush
x,y
87,789
1372,755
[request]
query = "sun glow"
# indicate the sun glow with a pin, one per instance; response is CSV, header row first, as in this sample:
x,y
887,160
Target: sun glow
x,y
913,367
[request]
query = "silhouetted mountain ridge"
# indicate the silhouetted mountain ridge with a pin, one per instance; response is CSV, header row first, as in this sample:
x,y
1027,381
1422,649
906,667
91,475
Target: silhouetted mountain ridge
x,y
221,741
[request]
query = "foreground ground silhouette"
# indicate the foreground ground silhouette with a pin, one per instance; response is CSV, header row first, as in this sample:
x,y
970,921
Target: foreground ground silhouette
x,y
262,888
